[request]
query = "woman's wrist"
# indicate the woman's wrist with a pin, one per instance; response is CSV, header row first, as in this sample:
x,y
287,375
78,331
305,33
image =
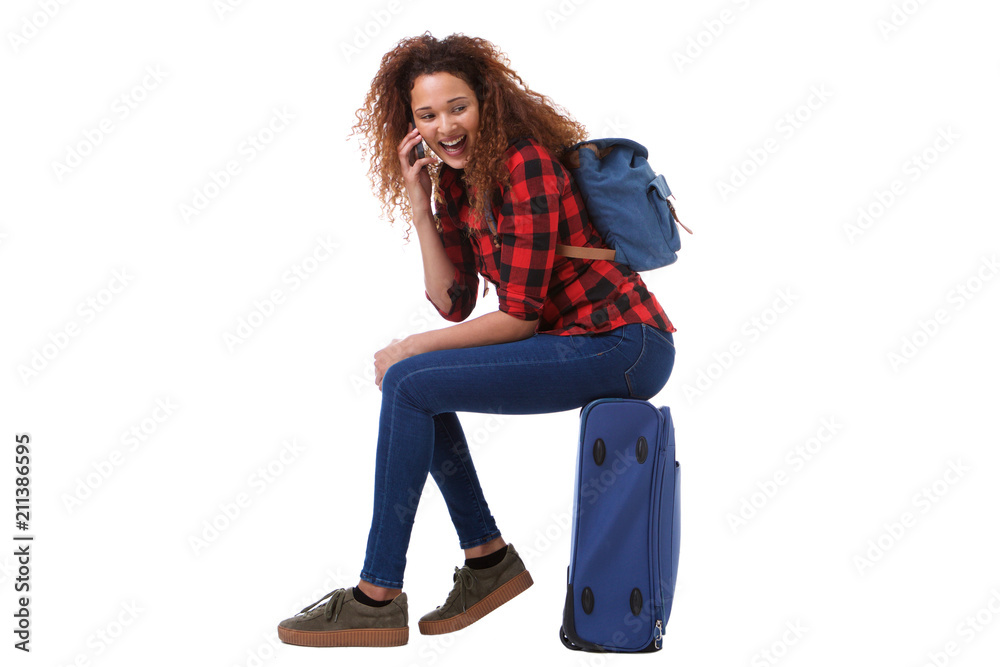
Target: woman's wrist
x,y
411,345
421,214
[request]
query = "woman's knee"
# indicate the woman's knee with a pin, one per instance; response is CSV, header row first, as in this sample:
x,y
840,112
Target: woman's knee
x,y
393,376
401,374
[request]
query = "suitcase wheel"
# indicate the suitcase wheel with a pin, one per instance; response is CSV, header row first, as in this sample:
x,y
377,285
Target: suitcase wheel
x,y
566,642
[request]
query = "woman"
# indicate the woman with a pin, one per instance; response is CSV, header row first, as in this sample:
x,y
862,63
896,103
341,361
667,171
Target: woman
x,y
567,330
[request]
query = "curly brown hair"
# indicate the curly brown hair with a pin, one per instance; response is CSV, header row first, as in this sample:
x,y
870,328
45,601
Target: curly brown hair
x,y
506,110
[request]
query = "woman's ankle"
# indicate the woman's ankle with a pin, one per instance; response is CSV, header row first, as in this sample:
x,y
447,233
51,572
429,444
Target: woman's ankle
x,y
485,549
376,592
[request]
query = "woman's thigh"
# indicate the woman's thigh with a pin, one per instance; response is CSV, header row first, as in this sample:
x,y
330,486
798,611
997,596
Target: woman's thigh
x,y
542,373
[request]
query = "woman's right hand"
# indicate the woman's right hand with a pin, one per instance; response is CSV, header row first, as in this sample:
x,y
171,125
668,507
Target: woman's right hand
x,y
416,179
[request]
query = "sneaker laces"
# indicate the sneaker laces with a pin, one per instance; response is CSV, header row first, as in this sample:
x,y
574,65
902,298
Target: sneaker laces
x,y
333,605
464,579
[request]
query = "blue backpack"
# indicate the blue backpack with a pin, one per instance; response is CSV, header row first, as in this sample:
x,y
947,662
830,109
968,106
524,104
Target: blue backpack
x,y
627,203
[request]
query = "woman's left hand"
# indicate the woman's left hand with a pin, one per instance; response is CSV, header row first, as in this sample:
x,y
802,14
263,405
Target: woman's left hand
x,y
395,351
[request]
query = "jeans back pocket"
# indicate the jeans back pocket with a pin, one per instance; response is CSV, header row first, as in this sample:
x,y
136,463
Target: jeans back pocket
x,y
649,374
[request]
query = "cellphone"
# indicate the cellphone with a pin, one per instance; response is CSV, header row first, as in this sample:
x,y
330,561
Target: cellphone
x,y
419,148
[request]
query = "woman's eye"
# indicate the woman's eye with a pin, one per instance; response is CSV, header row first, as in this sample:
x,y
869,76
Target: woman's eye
x,y
428,116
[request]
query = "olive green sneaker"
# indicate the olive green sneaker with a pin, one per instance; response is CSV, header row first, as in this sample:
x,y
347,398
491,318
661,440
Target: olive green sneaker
x,y
477,593
343,621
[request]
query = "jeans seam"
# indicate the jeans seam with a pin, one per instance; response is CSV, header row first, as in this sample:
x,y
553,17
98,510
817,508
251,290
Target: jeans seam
x,y
468,480
385,583
642,351
515,363
661,333
384,485
480,540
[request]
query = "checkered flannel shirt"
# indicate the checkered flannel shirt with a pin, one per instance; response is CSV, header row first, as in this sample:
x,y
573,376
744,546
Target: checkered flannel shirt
x,y
517,252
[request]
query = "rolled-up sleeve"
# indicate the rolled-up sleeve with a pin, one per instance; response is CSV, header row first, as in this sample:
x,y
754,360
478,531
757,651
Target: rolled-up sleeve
x,y
465,281
528,228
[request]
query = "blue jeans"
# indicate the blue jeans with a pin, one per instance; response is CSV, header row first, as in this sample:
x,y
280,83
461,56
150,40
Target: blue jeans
x,y
419,433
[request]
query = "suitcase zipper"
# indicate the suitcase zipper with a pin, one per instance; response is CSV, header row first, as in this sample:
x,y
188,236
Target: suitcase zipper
x,y
658,521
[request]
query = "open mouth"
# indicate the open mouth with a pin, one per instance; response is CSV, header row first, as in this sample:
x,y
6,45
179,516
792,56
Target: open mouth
x,y
455,149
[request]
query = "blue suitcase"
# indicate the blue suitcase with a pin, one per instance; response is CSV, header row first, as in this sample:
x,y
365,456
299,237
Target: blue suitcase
x,y
626,529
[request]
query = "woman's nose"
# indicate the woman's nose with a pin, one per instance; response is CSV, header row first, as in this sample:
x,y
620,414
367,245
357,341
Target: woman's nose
x,y
450,127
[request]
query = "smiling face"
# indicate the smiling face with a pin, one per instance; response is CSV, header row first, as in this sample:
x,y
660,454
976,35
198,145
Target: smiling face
x,y
445,109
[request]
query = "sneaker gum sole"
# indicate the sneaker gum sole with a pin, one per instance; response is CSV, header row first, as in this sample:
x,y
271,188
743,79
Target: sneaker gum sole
x,y
357,637
505,593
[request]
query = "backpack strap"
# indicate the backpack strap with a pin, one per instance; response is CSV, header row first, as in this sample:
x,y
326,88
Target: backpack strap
x,y
572,156
585,252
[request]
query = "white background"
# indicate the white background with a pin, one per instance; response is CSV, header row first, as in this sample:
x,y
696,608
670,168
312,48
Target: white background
x,y
749,84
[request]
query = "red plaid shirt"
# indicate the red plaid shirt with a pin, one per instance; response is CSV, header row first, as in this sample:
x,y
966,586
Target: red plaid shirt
x,y
541,207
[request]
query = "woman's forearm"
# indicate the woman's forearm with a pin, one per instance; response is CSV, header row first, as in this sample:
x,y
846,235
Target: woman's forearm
x,y
439,271
489,329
